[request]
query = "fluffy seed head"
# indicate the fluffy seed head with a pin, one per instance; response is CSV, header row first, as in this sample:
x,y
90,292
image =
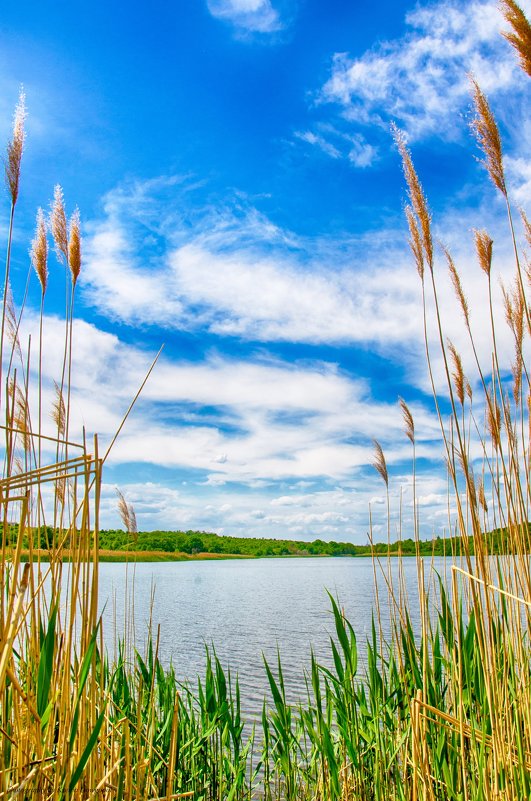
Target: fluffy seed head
x,y
514,304
21,420
415,241
520,34
416,196
488,137
527,230
409,423
12,323
379,463
58,224
39,251
484,250
74,247
458,373
458,289
517,369
59,411
15,148
127,514
494,420
481,497
60,489
527,226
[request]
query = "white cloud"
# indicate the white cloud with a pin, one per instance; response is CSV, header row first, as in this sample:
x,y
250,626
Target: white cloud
x,y
420,80
283,431
266,420
254,16
319,141
241,276
518,170
362,154
352,147
238,276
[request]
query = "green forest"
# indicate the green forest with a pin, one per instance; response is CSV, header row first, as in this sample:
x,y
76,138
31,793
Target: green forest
x,y
199,544
196,542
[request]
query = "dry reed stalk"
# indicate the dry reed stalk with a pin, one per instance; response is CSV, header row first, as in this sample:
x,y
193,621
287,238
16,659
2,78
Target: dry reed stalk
x,y
488,137
418,202
458,374
520,34
39,251
58,225
379,462
409,424
127,515
15,149
58,412
484,250
74,247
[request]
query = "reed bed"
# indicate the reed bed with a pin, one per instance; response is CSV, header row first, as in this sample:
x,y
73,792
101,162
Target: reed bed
x,y
440,713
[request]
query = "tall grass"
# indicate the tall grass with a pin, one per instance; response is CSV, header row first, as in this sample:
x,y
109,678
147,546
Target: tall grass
x,y
440,713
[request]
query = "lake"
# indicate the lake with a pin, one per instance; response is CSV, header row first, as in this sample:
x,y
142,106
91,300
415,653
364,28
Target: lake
x,y
247,608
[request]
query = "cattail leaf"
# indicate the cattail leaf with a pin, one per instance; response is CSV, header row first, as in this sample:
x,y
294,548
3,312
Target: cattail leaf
x,y
45,672
89,748
83,675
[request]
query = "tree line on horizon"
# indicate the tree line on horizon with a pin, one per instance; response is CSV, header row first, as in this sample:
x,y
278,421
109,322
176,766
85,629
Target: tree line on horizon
x,y
193,542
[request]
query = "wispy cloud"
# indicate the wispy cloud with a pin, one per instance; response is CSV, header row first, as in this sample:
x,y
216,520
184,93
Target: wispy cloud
x,y
319,141
252,16
231,426
239,275
420,80
340,145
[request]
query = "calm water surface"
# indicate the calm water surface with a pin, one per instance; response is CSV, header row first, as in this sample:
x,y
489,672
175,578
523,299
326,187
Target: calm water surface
x,y
246,608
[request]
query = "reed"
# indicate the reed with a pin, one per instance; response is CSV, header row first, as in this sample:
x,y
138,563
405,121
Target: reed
x,y
437,712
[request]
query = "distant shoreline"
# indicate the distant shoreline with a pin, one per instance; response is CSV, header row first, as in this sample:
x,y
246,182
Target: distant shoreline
x,y
164,556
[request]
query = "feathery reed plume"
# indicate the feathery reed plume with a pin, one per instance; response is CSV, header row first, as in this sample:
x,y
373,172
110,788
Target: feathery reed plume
x,y
409,424
514,304
493,419
21,419
488,138
517,369
127,514
379,463
481,496
59,411
39,251
58,224
508,306
527,231
415,242
527,226
15,148
468,473
457,373
458,289
74,247
484,250
416,195
60,488
520,35
11,323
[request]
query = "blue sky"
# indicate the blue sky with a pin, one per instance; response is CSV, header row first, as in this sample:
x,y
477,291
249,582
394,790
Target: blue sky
x,y
242,204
